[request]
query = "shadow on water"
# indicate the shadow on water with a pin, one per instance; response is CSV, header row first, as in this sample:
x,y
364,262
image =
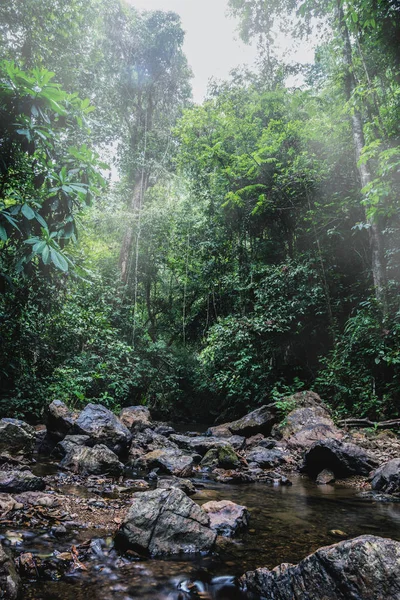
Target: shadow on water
x,y
287,523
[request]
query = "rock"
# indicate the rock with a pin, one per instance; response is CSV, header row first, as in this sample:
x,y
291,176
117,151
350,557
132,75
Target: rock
x,y
70,442
169,460
260,420
223,458
98,460
10,582
135,417
219,431
165,522
202,444
60,420
325,477
305,426
20,481
39,499
234,476
266,458
343,459
365,568
16,437
7,503
103,427
226,518
386,478
164,429
183,484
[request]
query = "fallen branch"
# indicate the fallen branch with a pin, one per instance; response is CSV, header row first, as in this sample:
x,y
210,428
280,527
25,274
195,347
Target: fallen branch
x,y
393,424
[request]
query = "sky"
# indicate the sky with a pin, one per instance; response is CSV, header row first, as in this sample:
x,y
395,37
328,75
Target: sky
x,y
212,45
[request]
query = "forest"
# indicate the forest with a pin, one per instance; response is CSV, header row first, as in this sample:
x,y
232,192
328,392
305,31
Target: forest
x,y
199,259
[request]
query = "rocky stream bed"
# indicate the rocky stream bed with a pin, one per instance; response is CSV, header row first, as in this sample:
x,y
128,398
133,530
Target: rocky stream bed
x,y
94,505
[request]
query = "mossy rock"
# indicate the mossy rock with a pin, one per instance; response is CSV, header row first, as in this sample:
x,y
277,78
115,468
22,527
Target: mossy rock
x,y
224,457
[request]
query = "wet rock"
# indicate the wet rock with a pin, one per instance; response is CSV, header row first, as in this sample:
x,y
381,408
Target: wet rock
x,y
223,458
98,460
226,518
10,582
202,444
16,437
103,427
169,460
386,478
305,426
60,420
135,417
266,458
165,522
343,459
364,568
20,481
70,442
325,477
185,485
260,420
164,429
235,476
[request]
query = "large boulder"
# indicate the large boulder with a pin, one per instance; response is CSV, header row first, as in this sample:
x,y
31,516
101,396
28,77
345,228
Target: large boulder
x,y
70,442
165,522
266,458
365,568
201,444
103,427
226,517
304,426
260,420
10,582
169,460
99,460
135,417
60,420
223,457
16,437
386,478
20,481
342,459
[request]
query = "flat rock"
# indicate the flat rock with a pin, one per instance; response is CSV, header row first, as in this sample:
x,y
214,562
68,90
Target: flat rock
x,y
386,478
10,582
16,437
135,417
365,568
171,461
201,444
266,458
165,522
99,460
39,499
226,517
20,481
342,459
103,427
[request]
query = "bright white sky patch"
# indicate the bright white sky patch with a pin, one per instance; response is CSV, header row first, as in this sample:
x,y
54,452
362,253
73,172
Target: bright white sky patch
x,y
212,45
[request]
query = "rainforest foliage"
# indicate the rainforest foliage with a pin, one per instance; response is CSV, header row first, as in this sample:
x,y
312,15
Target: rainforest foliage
x,y
200,259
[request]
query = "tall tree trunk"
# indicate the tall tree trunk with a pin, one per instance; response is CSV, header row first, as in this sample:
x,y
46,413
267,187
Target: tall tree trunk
x,y
378,263
139,189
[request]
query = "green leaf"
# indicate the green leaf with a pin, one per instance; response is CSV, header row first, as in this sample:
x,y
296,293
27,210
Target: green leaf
x,y
39,247
58,260
46,255
40,220
354,16
28,212
3,234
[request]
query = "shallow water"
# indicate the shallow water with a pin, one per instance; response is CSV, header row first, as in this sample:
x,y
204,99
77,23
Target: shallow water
x,y
287,523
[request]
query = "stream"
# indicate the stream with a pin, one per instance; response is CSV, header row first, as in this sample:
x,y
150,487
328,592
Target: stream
x,y
287,523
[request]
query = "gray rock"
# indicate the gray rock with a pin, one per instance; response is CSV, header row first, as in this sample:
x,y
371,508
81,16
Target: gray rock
x,y
10,582
99,460
164,429
260,420
223,458
16,437
69,442
343,459
365,568
171,461
103,427
60,420
165,522
166,483
305,426
266,458
47,500
386,478
325,477
20,481
226,518
202,444
7,503
135,417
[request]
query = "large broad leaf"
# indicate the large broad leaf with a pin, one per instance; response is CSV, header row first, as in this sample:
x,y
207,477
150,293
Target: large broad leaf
x,y
39,247
46,255
58,260
40,220
28,212
3,234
